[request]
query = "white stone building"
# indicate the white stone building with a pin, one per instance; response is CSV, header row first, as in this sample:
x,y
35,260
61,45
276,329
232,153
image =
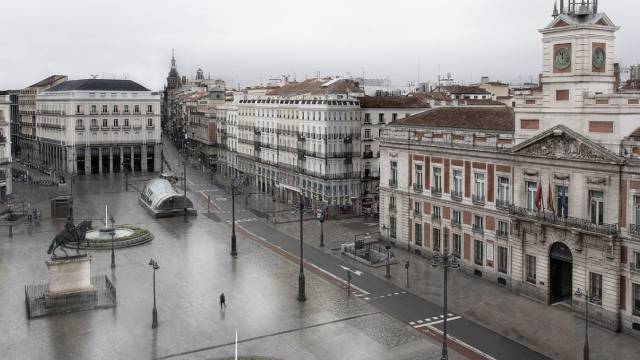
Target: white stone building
x,y
98,126
543,199
302,137
5,146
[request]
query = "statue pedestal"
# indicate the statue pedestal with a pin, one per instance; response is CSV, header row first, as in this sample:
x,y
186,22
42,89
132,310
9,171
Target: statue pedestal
x,y
69,277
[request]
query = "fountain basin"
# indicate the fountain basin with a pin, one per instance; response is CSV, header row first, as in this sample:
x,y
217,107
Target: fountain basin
x,y
123,236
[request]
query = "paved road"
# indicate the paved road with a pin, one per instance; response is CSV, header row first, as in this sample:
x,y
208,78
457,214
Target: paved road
x,y
402,305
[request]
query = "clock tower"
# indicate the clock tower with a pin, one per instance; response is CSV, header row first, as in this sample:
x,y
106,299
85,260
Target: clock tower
x,y
579,49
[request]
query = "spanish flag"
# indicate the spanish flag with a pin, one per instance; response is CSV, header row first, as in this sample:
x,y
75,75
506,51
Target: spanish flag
x,y
550,201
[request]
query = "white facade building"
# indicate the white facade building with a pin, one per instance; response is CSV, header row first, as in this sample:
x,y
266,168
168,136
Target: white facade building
x,y
97,126
5,146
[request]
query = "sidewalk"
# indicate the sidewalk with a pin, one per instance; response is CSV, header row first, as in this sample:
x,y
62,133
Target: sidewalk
x,y
553,331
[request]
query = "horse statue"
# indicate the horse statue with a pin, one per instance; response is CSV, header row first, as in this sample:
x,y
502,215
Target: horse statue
x,y
70,234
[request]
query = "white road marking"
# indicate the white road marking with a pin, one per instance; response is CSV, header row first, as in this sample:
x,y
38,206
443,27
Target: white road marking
x,y
359,273
453,338
420,321
436,322
367,298
412,323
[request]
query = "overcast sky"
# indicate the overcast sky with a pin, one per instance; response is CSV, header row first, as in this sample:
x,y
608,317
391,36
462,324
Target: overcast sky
x,y
249,41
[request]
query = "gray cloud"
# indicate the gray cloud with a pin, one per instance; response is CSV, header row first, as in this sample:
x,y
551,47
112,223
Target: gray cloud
x,y
246,41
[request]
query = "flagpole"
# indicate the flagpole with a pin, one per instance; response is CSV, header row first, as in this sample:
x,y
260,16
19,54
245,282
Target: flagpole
x,y
236,356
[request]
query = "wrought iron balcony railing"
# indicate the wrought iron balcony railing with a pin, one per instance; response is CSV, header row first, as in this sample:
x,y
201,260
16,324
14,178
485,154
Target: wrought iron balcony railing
x,y
436,191
436,218
502,204
569,222
634,229
501,234
478,199
418,188
456,224
456,195
478,229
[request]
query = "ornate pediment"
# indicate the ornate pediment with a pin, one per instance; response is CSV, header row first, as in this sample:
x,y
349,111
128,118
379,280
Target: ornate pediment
x,y
562,143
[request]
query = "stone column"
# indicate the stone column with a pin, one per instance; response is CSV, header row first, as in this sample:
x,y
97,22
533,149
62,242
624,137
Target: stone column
x,y
133,155
157,157
111,159
121,159
143,157
99,160
87,160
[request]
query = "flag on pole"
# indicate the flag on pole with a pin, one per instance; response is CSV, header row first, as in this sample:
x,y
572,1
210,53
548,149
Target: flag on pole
x,y
539,197
550,201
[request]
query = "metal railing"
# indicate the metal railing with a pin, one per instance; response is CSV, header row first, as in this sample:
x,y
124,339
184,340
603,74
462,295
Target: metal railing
x,y
478,229
634,229
478,199
393,183
501,234
503,204
436,218
570,222
367,155
418,188
436,191
456,195
456,224
634,267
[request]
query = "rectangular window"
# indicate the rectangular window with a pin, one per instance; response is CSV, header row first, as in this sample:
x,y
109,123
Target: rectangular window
x,y
532,187
115,109
457,244
392,227
502,259
367,134
636,299
417,185
394,117
150,109
115,122
78,109
367,118
457,183
105,122
436,240
478,223
417,208
562,201
94,109
126,122
393,181
136,109
503,191
636,204
502,229
79,123
636,260
562,95
456,217
94,122
381,118
126,109
595,288
392,202
418,234
437,179
149,122
478,187
437,212
104,109
531,269
478,255
596,201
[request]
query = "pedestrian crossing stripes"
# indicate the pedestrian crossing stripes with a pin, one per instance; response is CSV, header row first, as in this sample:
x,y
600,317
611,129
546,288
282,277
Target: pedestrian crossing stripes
x,y
385,295
435,320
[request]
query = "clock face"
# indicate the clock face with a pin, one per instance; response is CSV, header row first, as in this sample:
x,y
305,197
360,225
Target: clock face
x,y
562,58
599,58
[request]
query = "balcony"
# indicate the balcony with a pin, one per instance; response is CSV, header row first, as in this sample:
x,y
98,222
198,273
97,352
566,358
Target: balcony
x,y
456,224
104,127
436,191
150,126
79,127
417,215
503,204
367,155
418,188
456,195
502,234
634,268
436,219
94,127
550,218
478,229
478,199
393,209
393,183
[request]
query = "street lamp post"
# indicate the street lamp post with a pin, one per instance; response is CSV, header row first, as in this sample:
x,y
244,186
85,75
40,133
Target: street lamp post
x,y
184,185
154,265
406,266
446,260
234,251
588,297
321,216
301,295
113,233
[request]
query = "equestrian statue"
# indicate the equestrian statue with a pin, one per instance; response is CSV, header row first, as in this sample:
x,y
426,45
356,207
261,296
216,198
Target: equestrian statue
x,y
70,234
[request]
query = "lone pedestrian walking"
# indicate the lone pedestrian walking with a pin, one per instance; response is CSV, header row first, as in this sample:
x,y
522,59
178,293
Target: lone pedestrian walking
x,y
223,304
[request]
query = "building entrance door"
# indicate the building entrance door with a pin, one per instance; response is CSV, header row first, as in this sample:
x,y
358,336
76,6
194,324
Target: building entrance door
x,y
560,273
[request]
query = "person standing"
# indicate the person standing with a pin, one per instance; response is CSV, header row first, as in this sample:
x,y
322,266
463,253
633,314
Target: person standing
x,y
223,304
